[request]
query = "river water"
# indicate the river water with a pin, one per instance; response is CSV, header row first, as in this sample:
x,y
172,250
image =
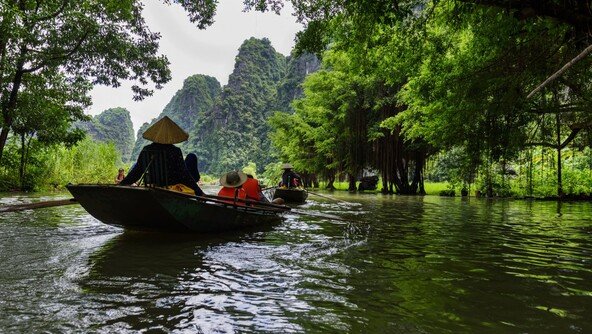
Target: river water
x,y
409,265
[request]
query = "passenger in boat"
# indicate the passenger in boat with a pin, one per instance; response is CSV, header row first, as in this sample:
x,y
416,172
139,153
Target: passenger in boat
x,y
289,178
232,183
161,163
255,193
253,189
191,163
120,175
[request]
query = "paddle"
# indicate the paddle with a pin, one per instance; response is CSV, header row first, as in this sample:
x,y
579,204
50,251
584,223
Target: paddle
x,y
326,216
220,199
331,198
37,205
224,200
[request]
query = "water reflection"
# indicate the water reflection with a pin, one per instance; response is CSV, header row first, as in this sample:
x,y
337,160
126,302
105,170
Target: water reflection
x,y
152,281
410,265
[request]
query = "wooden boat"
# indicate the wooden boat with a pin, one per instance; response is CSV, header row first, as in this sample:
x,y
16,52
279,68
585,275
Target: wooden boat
x,y
150,208
291,195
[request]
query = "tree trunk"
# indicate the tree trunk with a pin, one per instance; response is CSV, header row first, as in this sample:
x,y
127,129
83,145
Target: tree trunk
x,y
3,138
352,183
22,164
489,179
12,99
530,173
559,181
27,154
330,185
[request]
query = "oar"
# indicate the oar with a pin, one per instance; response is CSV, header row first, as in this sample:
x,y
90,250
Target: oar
x,y
326,216
224,200
37,205
331,198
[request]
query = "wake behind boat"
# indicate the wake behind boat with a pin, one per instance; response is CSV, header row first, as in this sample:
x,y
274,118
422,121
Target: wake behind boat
x,y
152,208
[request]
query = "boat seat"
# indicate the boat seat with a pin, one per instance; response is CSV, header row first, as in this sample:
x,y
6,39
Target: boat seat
x,y
156,172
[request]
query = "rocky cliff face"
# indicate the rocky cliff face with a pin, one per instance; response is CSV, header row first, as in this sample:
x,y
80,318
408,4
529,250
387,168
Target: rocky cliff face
x,y
112,125
228,127
235,131
188,105
290,88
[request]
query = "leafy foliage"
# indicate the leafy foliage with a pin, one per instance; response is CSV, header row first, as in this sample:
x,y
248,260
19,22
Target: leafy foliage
x,y
52,167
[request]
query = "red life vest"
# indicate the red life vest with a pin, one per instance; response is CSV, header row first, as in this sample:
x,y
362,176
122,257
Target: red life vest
x,y
253,190
231,193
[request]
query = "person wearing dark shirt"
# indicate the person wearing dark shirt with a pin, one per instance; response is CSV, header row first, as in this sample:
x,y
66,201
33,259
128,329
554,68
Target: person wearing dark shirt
x,y
289,178
162,162
191,163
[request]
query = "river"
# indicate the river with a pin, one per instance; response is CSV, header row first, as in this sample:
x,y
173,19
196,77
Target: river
x,y
409,265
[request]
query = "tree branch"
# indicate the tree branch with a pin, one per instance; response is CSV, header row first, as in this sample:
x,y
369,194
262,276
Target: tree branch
x,y
563,109
63,56
570,138
565,67
59,11
564,13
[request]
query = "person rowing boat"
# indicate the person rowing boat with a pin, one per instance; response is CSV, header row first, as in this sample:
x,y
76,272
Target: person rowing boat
x,y
161,163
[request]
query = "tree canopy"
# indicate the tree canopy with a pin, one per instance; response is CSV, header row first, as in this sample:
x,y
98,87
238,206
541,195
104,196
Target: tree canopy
x,y
83,42
404,81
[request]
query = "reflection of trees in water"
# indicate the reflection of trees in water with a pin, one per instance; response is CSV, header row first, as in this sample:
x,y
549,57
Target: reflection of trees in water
x,y
135,279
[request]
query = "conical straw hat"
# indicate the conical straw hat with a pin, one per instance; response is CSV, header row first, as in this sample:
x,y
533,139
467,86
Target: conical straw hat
x,y
165,131
287,166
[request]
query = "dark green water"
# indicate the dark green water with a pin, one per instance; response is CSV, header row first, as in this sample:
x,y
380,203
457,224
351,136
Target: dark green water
x,y
414,265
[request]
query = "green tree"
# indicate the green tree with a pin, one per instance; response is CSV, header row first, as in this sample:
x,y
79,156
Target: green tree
x,y
91,41
47,121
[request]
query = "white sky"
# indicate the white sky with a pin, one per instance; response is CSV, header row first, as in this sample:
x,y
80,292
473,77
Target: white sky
x,y
193,51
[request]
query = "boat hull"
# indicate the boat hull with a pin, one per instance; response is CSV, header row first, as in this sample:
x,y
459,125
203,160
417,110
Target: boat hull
x,y
144,208
291,195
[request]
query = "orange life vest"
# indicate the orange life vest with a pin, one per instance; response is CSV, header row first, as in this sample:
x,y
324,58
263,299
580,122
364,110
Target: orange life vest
x,y
231,193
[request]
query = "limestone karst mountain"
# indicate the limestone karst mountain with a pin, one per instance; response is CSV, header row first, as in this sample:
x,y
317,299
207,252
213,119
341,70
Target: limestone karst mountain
x,y
189,104
228,126
112,125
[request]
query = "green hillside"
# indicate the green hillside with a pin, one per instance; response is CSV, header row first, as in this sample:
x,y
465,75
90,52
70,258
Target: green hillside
x,y
235,131
195,98
112,125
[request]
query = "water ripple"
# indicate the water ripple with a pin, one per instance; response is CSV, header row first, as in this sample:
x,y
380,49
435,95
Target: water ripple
x,y
408,265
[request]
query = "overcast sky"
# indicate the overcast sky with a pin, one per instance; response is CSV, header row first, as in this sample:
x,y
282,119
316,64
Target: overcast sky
x,y
193,51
